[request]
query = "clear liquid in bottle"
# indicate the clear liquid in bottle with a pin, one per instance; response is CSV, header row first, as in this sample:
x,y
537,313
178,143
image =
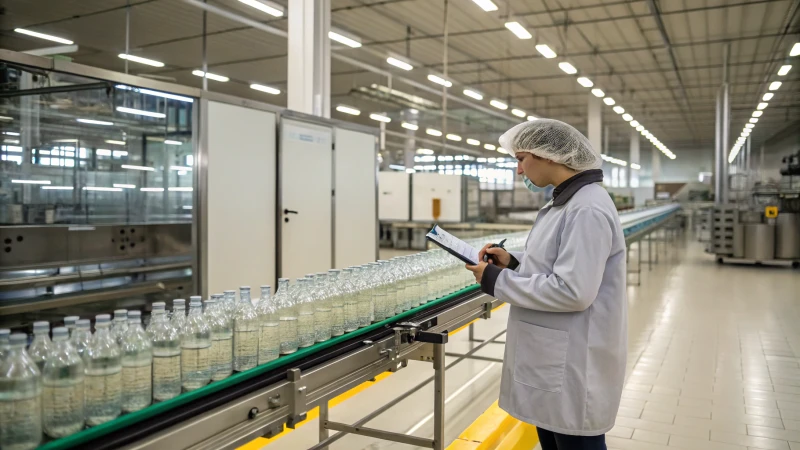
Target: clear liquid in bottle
x,y
245,333
196,350
287,316
166,355
20,398
137,365
62,388
269,344
102,375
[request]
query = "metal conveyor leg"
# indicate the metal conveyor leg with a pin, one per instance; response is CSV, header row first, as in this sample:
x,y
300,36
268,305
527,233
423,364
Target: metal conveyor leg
x,y
438,397
323,419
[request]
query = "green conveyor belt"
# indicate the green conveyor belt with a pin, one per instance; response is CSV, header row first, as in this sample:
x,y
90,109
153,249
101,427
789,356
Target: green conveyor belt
x,y
75,440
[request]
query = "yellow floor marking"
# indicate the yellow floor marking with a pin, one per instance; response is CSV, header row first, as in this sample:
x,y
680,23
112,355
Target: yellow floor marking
x,y
496,430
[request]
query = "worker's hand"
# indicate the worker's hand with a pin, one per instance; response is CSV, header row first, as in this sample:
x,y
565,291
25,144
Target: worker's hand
x,y
497,256
477,270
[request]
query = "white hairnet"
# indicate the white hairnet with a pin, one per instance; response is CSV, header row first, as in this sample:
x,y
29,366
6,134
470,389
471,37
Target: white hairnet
x,y
553,140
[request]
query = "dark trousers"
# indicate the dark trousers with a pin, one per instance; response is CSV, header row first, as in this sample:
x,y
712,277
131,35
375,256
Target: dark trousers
x,y
558,441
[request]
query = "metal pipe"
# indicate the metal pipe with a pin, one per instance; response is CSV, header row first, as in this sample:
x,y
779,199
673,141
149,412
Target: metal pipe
x,y
405,395
444,73
205,53
726,121
127,32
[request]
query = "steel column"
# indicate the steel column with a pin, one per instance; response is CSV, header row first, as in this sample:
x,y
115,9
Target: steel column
x,y
595,122
438,396
309,70
323,419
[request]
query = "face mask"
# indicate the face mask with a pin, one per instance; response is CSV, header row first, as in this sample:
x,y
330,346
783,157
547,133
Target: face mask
x,y
529,184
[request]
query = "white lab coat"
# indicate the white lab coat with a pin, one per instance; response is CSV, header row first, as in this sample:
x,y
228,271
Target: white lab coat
x,y
566,346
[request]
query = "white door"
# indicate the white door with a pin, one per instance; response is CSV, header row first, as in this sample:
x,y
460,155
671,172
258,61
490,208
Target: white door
x,y
306,158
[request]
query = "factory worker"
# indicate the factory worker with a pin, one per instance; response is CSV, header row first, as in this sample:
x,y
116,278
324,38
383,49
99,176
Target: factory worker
x,y
566,344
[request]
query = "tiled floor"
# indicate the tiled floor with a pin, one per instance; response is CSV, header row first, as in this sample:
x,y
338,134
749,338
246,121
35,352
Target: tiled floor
x,y
713,365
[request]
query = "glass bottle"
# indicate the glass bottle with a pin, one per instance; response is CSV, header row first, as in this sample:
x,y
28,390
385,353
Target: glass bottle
x,y
137,365
322,308
62,388
287,315
179,315
390,287
422,278
269,324
379,291
350,297
120,324
364,299
81,336
103,374
69,323
221,338
166,355
245,333
399,282
336,300
4,334
20,398
41,346
305,313
195,349
229,303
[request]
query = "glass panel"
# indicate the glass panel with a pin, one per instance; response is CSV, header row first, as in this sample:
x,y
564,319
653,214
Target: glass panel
x,y
82,151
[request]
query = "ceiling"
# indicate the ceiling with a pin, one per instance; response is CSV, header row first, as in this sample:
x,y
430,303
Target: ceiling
x,y
660,60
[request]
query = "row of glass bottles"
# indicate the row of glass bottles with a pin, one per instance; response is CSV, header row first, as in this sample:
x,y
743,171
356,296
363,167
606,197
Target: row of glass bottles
x,y
125,368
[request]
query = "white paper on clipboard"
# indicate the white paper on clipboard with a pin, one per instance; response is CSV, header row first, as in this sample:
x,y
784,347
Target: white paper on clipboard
x,y
453,245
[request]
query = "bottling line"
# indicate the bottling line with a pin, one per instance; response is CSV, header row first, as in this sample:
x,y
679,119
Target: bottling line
x,y
262,400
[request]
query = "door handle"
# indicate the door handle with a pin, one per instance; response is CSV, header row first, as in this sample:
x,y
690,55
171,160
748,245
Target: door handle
x,y
289,211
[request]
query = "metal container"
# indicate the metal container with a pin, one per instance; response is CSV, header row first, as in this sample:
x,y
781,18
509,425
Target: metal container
x,y
787,236
738,240
759,241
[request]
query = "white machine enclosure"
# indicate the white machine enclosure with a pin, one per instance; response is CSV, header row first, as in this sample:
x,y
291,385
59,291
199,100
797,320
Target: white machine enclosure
x,y
394,197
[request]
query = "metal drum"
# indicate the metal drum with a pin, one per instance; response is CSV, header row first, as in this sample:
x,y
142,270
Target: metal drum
x,y
759,241
787,236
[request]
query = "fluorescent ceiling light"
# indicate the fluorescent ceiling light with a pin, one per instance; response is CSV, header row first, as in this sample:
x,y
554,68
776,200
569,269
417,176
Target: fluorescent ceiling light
x,y
627,117
398,63
348,110
784,70
775,85
473,142
619,109
102,189
433,132
269,8
609,101
757,113
486,5
94,122
762,106
454,137
546,51
532,118
6,118
439,80
380,118
473,94
124,186
767,97
502,150
409,126
112,141
518,112
156,93
634,123
132,167
585,82
170,142
103,152
518,30
794,52
568,68
754,120
152,189
635,166
424,151
140,112
31,181
11,133
180,189
498,104
180,168
598,92
342,39
140,60
644,132
640,128
210,76
267,89
57,188
490,147
749,125
44,36
11,141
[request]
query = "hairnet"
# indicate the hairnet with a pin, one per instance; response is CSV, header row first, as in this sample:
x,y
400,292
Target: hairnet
x,y
553,140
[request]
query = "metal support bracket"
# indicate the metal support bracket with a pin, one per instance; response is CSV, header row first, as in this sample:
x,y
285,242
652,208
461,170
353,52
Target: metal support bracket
x,y
379,434
298,409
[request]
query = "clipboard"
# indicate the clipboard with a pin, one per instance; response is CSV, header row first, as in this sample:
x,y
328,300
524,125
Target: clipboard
x,y
453,245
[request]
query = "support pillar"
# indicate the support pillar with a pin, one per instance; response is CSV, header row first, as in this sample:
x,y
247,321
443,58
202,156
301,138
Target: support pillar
x,y
410,148
721,147
594,129
655,165
309,71
633,175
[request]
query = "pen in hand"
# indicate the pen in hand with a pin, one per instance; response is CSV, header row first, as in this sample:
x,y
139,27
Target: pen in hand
x,y
500,245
